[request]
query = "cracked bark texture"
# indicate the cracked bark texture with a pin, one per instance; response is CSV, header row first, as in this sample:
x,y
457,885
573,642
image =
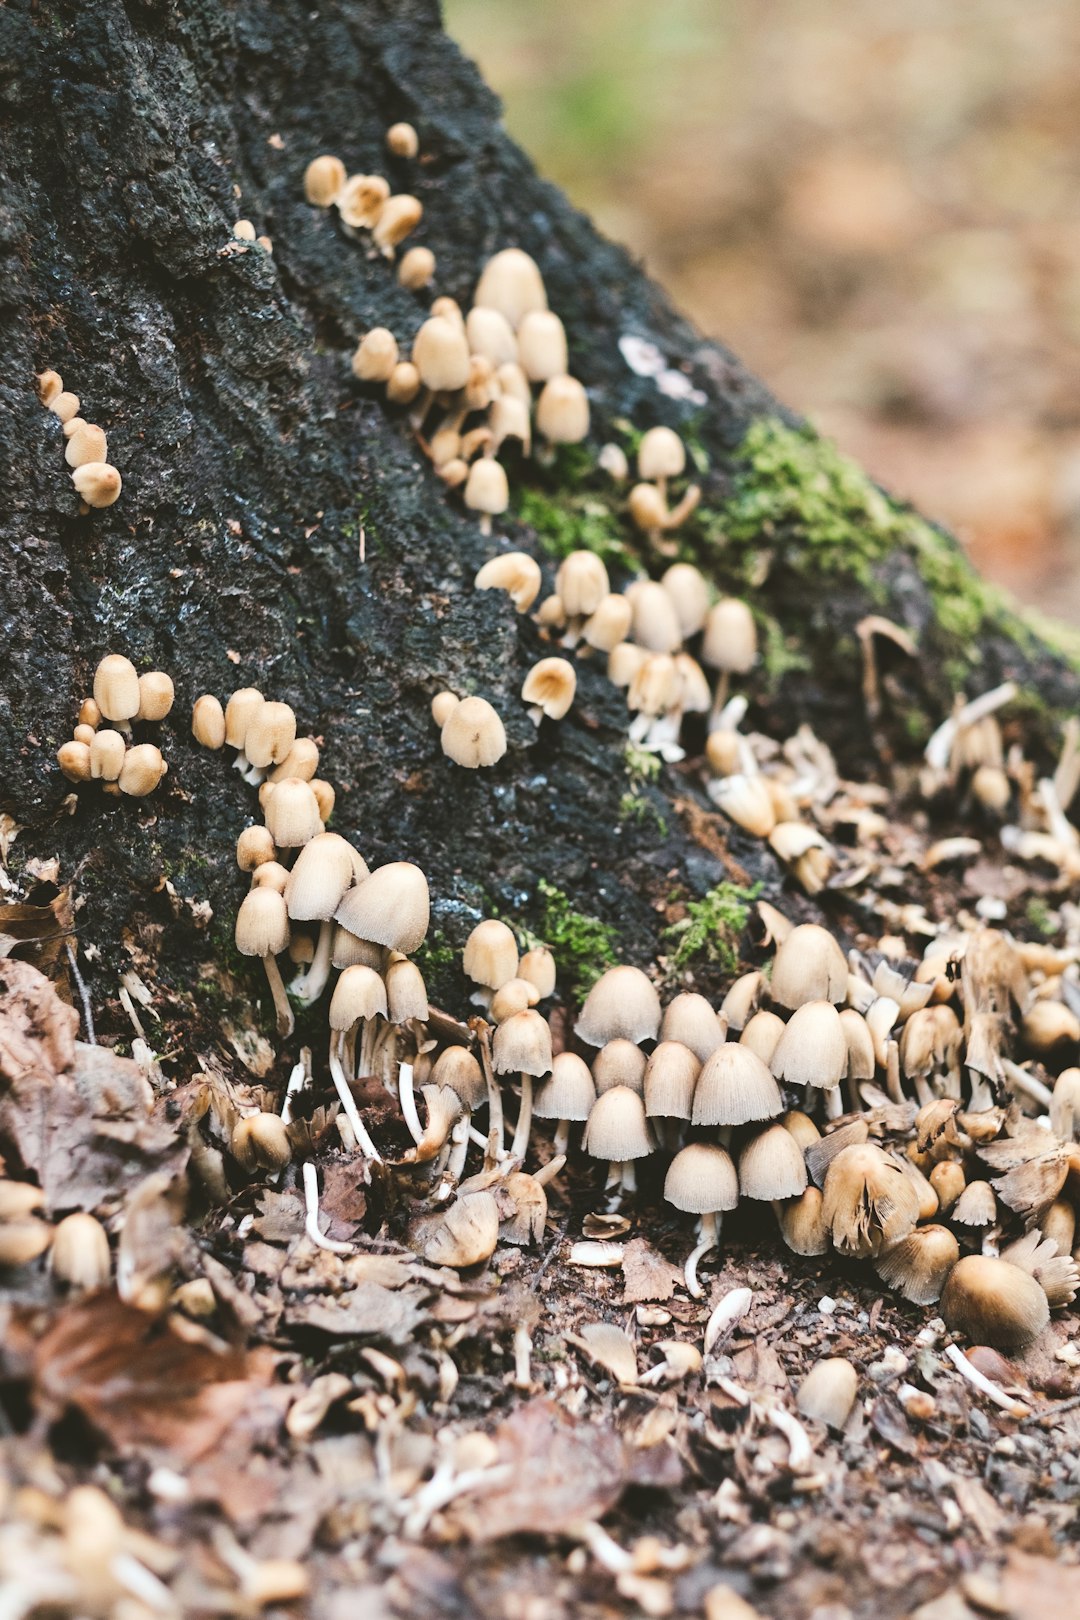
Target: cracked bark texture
x,y
133,136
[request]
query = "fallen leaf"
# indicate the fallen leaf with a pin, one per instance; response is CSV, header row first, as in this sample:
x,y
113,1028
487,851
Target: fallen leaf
x,y
368,1312
646,1274
610,1348
1032,1588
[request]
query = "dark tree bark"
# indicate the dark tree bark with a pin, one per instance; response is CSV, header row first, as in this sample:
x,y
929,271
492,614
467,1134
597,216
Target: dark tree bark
x,y
134,135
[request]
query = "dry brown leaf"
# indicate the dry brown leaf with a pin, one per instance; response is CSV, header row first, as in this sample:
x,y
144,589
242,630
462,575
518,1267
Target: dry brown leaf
x,y
38,931
1033,1588
368,1312
646,1274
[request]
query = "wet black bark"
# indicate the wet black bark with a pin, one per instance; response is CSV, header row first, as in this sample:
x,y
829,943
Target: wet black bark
x,y
133,136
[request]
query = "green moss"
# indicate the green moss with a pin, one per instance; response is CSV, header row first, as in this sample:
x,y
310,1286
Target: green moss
x,y
583,946
573,522
634,806
436,955
711,927
641,764
780,654
1040,917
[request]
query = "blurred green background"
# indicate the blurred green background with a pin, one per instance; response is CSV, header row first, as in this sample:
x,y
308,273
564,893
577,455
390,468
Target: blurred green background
x,y
877,206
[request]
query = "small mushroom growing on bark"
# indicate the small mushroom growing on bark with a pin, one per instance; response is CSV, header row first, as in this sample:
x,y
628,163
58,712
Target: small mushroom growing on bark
x,y
567,1095
262,929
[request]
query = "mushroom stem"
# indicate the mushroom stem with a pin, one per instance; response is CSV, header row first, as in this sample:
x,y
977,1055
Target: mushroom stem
x,y
708,1238
308,986
628,1177
347,1100
407,1099
614,1176
561,1140
298,1079
892,1072
522,1357
495,1103
459,1137
834,1103
285,1021
311,1220
520,1145
719,700
924,1092
548,1172
1026,1084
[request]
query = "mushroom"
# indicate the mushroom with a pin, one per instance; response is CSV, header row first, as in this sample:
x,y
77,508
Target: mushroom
x,y
403,383
618,1131
444,1110
511,283
390,907
473,735
976,1206
562,411
771,1166
116,689
361,200
402,140
97,483
73,759
50,385
254,847
325,869
80,1254
690,1019
107,752
376,356
608,624
809,966
292,812
142,770
762,1035
515,996
490,957
812,1052
918,1265
735,1088
491,336
269,738
440,354
729,645
1055,1272
262,929
567,1095
87,443
64,406
549,689
1065,1106
701,1180
827,1393
581,584
208,722
948,1181
457,1068
619,1063
622,1003
538,967
244,231
670,1077
359,998
406,996
302,760
323,180
261,1142
689,591
486,491
655,621
869,1203
802,1223
541,342
742,1000
994,1303
522,1045
514,572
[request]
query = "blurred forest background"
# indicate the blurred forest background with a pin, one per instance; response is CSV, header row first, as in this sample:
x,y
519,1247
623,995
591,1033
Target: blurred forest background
x,y
876,206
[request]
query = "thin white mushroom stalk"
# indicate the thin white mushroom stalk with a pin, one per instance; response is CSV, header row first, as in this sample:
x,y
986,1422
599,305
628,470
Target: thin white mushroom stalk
x,y
311,981
496,1129
519,1147
340,1069
283,1012
708,1238
311,1220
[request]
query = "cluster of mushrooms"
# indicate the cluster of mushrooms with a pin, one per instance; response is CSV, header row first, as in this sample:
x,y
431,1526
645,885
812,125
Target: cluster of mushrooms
x,y
365,203
87,449
108,753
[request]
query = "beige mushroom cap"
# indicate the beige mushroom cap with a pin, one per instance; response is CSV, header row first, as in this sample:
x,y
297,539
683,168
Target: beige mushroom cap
x,y
735,1088
441,355
812,1051
292,812
562,411
622,1003
993,1302
670,1077
661,454
116,688
617,1129
701,1178
323,872
551,685
869,1203
473,735
771,1166
262,923
490,956
809,966
391,907
511,283
522,1045
359,993
569,1093
689,1018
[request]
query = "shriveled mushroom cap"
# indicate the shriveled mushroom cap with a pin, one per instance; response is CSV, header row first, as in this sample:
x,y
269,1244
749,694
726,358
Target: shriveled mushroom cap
x,y
619,1063
262,923
406,993
391,907
994,1303
735,1088
569,1093
918,1265
440,353
511,283
473,735
670,1077
771,1166
730,640
116,688
581,583
690,1019
490,956
551,685
661,454
522,1045
617,1129
538,966
622,1003
762,1035
457,1068
809,966
868,1201
701,1179
812,1051
323,872
292,813
359,993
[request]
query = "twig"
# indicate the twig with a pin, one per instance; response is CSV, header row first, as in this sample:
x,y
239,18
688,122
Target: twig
x,y
84,997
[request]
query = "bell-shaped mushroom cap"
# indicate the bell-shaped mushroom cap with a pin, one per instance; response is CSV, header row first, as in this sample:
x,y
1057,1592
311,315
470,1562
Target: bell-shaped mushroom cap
x,y
735,1088
292,813
619,1063
670,1077
812,1051
562,411
701,1179
514,572
809,966
240,709
828,1391
141,771
551,685
440,353
491,335
323,179
1065,1105
625,661
350,951
918,1265
270,734
689,590
541,340
515,996
99,484
406,993
262,923
538,966
156,695
617,1129
116,688
569,1093
107,750
869,1203
661,454
490,956
743,1000
254,847
322,873
522,1045
648,508
655,623
690,1019
860,1045
457,1068
391,907
486,488
771,1166
622,1003
994,1303
511,283
359,993
976,1205
473,735
730,640
609,623
801,1127
802,1223
581,583
270,875
762,1035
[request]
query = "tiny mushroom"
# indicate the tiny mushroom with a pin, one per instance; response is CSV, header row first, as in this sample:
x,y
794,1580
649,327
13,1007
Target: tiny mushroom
x,y
618,1131
567,1095
522,1045
701,1180
514,572
473,735
262,929
323,180
402,140
549,689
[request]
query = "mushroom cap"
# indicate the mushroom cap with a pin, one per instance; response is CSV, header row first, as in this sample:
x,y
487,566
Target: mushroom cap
x,y
802,1224
511,283
812,1051
262,923
116,687
302,760
868,1201
324,870
80,1252
270,734
670,1077
689,1018
514,572
568,1093
98,483
473,735
515,996
828,1391
361,200
918,1265
746,800
993,1302
440,353
240,709
661,454
801,1127
743,999
538,966
457,1068
622,1003
292,813
107,752
648,508
619,1063
860,1045
562,411
156,695
141,771
762,1035
689,590
581,583
486,488
87,443
609,623
490,956
491,335
656,623
323,179
701,1179
349,950
406,993
551,684
254,846
771,1166
730,640
617,1129
391,907
73,759
1065,1105
271,875
624,661
359,993
376,356
809,966
522,1045
976,1206
541,340
735,1088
